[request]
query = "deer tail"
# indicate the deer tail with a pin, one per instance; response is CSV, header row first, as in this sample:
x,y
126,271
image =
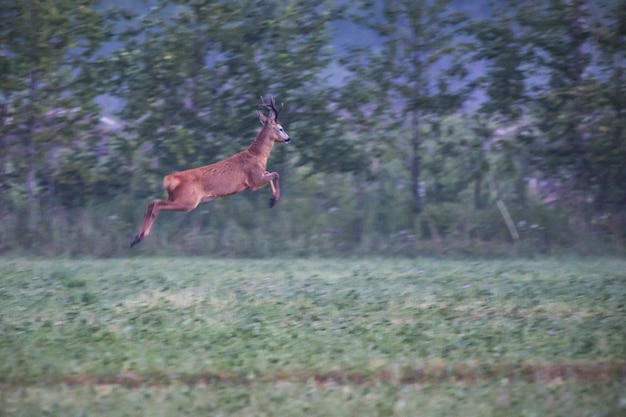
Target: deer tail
x,y
170,182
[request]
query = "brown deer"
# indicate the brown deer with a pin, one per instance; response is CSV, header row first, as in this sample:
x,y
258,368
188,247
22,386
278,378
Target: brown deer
x,y
247,169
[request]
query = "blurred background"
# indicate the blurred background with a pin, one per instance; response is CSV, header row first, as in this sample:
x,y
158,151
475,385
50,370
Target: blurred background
x,y
419,127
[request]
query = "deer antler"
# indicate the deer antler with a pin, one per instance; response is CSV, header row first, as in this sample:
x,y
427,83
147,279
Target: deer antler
x,y
271,107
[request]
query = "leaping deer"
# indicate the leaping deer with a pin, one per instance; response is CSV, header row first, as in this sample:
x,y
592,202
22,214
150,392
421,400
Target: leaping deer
x,y
247,169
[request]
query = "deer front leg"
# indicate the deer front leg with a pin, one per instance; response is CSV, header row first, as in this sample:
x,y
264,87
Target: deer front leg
x,y
274,180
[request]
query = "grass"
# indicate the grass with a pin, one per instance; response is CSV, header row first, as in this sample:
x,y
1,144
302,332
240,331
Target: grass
x,y
323,337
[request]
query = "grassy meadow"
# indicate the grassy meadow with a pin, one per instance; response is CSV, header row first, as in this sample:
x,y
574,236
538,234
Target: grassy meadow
x,y
312,337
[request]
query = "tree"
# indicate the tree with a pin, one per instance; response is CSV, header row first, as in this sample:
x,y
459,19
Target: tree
x,y
417,42
502,49
48,54
559,33
579,99
608,34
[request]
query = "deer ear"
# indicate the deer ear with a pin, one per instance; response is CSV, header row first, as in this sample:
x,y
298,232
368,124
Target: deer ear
x,y
262,117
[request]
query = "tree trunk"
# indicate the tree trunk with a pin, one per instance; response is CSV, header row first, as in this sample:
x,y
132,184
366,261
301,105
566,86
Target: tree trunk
x,y
416,139
478,192
29,139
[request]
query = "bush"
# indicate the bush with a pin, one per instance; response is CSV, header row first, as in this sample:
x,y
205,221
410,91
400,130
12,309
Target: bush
x,y
333,223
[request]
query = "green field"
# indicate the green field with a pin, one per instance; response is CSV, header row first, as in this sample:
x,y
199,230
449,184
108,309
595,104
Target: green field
x,y
315,337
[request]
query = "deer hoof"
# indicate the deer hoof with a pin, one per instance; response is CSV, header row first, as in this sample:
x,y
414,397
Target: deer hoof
x,y
273,201
135,241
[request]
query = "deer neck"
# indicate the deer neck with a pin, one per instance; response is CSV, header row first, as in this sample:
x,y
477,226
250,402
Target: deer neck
x,y
262,145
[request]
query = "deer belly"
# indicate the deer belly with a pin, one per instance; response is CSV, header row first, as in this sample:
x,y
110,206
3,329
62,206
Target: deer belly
x,y
223,190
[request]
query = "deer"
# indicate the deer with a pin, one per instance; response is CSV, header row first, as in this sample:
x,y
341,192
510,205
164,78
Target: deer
x,y
244,170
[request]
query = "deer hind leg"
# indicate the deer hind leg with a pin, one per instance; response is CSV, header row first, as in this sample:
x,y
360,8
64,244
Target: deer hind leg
x,y
153,211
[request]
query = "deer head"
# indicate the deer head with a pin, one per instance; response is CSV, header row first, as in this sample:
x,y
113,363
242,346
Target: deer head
x,y
271,120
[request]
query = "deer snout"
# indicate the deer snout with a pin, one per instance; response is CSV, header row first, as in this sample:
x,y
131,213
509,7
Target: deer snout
x,y
288,139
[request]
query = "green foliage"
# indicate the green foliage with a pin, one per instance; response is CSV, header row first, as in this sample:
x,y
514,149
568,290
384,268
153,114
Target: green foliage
x,y
46,92
413,47
609,131
501,47
571,106
74,180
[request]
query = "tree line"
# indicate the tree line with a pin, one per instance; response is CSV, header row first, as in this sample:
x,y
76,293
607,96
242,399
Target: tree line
x,y
505,125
